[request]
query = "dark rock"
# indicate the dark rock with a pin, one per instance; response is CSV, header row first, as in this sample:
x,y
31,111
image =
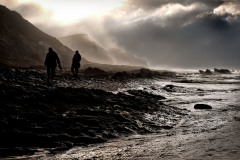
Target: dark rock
x,y
167,127
216,71
144,94
202,106
222,71
35,115
95,72
121,76
201,72
237,119
169,88
167,74
147,73
207,72
16,151
153,88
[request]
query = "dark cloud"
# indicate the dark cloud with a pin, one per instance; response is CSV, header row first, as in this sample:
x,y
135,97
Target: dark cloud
x,y
153,4
167,33
30,10
191,38
8,2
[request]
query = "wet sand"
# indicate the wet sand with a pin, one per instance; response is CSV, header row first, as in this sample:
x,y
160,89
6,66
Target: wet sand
x,y
156,130
202,134
40,116
191,139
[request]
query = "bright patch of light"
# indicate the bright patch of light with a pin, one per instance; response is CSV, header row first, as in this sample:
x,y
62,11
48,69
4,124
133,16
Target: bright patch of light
x,y
230,8
74,10
178,9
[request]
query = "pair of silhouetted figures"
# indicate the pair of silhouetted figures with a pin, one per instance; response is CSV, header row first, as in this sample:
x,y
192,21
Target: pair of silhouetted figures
x,y
52,61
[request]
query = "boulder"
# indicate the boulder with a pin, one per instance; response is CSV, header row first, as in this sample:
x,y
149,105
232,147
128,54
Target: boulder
x,y
222,71
207,72
202,106
94,72
201,71
145,73
169,88
121,76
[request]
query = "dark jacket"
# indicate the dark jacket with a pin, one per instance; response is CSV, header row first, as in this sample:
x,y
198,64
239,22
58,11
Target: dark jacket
x,y
52,59
76,60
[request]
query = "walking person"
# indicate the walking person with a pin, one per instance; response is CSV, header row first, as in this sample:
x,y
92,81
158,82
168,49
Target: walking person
x,y
76,64
52,61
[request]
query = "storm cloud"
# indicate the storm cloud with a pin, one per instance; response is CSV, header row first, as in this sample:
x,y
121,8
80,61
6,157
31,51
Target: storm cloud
x,y
153,4
31,11
191,34
167,33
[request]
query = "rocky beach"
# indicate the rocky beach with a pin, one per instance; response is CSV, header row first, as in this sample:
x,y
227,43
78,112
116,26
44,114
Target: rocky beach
x,y
149,86
41,116
210,130
118,115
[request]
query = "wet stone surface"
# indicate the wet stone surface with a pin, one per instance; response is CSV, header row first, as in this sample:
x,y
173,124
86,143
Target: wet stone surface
x,y
62,113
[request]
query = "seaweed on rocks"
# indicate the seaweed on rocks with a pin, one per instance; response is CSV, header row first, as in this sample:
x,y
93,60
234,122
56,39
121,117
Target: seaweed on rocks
x,y
34,114
95,72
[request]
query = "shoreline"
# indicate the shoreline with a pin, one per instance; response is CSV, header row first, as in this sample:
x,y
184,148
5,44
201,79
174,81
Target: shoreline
x,y
185,141
36,115
142,123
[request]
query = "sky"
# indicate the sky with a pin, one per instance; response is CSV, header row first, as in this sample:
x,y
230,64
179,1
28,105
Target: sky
x,y
194,34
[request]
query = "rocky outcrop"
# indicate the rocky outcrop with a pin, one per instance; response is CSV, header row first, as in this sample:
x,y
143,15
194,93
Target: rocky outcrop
x,y
121,76
222,71
142,73
207,72
94,72
36,113
216,71
202,106
169,88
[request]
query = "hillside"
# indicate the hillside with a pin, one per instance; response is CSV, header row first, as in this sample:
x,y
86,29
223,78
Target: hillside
x,y
92,51
23,44
87,47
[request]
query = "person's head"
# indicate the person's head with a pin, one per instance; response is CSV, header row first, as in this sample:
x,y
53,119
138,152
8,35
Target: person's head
x,y
77,52
50,49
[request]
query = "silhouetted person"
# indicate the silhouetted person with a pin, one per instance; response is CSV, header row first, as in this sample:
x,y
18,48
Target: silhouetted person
x,y
51,62
76,64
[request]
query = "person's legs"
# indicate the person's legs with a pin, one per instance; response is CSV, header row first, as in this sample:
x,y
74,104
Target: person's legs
x,y
72,69
49,72
53,71
76,71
